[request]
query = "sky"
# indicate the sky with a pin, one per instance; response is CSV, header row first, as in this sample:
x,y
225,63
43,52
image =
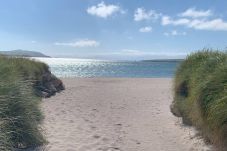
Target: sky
x,y
113,29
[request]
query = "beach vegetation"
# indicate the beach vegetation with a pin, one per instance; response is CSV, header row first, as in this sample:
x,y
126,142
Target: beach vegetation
x,y
20,114
200,94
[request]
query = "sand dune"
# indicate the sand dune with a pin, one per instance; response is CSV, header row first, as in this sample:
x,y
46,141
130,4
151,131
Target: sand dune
x,y
107,114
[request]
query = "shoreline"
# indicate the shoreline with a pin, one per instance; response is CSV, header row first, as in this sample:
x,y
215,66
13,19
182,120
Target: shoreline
x,y
116,114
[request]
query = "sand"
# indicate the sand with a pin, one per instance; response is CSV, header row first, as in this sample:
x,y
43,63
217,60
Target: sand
x,y
116,114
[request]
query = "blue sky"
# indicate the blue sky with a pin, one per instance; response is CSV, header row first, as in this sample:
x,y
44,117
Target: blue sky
x,y
113,29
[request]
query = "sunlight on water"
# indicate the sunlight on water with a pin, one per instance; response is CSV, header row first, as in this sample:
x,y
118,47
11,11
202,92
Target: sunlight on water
x,y
66,67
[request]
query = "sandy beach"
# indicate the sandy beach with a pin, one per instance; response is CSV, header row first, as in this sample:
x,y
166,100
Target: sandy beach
x,y
116,114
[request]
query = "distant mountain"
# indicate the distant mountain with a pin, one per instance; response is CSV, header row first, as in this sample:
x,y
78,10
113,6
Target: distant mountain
x,y
23,53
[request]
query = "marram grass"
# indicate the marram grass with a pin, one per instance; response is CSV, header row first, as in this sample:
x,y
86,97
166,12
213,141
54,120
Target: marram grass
x,y
200,88
20,113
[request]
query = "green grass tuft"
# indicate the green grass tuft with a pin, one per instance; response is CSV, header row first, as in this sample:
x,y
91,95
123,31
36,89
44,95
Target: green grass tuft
x,y
200,88
20,113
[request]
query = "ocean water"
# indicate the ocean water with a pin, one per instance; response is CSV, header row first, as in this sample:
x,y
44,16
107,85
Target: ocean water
x,y
65,67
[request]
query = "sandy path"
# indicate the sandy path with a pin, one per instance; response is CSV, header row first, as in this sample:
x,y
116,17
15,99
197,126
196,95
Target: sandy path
x,y
105,114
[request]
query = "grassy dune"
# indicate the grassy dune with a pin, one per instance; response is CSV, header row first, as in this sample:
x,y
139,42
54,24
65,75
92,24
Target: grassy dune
x,y
201,94
20,114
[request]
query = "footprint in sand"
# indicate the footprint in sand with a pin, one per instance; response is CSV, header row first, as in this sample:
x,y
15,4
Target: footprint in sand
x,y
87,120
96,136
95,110
118,124
114,149
109,149
136,141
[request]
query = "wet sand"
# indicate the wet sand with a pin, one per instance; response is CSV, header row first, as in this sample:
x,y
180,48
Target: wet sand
x,y
116,114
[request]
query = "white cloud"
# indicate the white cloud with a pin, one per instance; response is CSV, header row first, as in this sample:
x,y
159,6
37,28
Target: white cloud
x,y
200,24
192,12
103,10
166,20
198,20
142,14
175,33
146,29
215,24
79,43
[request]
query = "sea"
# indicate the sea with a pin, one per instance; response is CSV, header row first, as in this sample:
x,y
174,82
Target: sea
x,y
70,67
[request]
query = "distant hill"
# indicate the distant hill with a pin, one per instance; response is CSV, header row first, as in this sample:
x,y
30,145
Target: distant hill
x,y
164,60
23,53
